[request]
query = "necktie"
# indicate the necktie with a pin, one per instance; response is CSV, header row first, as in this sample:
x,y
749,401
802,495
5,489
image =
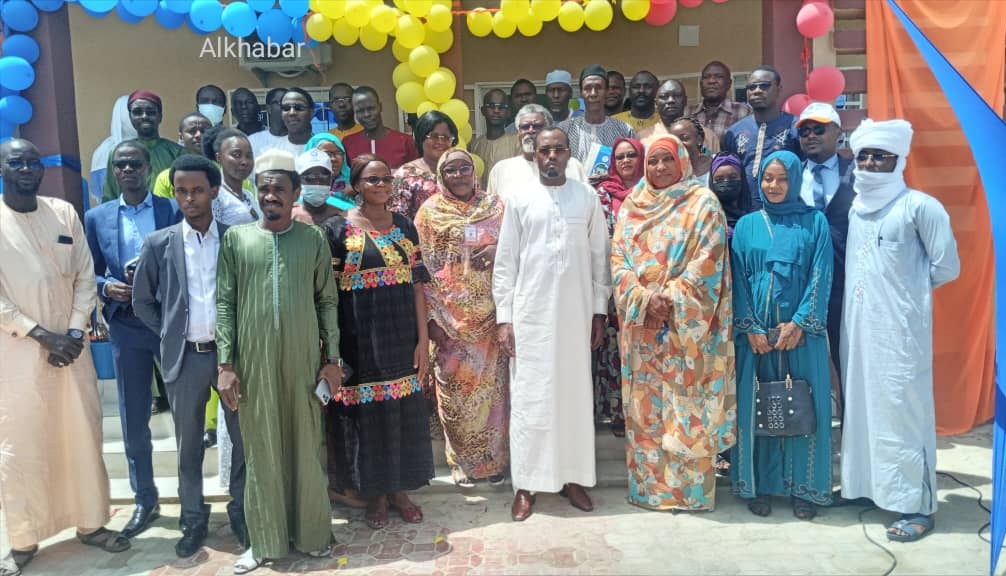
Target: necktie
x,y
820,201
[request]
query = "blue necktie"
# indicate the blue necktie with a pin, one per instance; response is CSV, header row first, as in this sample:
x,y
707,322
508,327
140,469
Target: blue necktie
x,y
820,201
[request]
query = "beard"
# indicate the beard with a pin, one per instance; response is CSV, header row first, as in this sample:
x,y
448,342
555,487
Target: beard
x,y
527,144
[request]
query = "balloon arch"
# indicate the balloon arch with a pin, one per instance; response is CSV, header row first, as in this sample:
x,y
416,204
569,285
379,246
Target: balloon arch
x,y
419,31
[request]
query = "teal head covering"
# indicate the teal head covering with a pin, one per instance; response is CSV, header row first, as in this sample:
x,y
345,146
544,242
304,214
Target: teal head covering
x,y
794,176
343,175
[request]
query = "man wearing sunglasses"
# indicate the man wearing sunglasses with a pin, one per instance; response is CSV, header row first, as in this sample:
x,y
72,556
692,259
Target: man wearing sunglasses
x,y
495,144
116,231
146,114
766,130
828,186
901,248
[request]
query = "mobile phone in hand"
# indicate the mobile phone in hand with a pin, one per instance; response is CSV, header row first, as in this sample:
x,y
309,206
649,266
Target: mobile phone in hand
x,y
323,392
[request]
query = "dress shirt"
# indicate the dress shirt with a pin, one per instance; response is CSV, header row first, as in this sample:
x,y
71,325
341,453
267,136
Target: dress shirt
x,y
201,252
829,177
720,118
135,223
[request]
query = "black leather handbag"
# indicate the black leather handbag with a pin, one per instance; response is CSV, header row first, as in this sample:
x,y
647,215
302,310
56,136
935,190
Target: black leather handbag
x,y
783,407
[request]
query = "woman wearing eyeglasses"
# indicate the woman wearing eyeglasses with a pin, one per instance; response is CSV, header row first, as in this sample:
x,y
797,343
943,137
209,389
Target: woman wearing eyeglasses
x,y
416,181
380,417
671,277
458,229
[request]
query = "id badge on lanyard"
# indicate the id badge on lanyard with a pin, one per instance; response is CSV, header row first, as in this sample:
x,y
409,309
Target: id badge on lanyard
x,y
471,240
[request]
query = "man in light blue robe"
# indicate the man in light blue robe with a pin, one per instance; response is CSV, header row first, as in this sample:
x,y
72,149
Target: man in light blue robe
x,y
900,248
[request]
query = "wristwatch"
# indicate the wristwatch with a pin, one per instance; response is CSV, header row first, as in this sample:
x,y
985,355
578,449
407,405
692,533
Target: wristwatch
x,y
334,360
75,334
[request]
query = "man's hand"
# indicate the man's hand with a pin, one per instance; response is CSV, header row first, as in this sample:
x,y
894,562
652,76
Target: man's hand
x,y
790,334
504,335
332,373
119,292
421,359
598,325
63,349
437,333
759,343
659,307
229,387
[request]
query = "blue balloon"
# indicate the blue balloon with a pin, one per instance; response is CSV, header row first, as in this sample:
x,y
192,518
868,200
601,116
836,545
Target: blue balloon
x,y
167,18
127,16
7,91
192,26
48,5
15,109
19,15
178,6
94,14
294,8
206,15
99,6
16,73
299,34
239,19
6,131
274,27
22,46
141,8
261,5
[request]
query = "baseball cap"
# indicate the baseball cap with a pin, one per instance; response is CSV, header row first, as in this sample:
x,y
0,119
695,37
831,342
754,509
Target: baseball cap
x,y
820,112
311,159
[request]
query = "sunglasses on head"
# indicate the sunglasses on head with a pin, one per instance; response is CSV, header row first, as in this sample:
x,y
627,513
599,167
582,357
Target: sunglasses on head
x,y
818,130
764,86
123,164
375,180
877,157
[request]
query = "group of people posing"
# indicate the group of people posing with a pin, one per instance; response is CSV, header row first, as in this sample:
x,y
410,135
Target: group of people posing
x,y
357,285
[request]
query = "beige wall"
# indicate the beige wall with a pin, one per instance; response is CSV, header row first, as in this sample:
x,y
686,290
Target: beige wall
x,y
111,58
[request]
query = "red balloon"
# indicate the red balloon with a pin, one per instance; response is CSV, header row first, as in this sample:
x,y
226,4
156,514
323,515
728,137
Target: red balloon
x,y
815,19
719,1
796,103
825,83
690,3
661,12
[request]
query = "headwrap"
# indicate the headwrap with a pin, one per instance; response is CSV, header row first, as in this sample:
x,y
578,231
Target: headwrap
x,y
677,150
343,175
875,190
121,129
145,95
656,203
448,210
742,204
613,184
443,161
593,70
792,204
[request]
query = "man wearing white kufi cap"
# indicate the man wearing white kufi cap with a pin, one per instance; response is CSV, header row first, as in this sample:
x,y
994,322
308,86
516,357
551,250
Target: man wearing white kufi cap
x,y
900,248
276,300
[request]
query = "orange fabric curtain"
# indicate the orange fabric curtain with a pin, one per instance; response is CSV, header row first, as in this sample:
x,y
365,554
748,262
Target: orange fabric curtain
x,y
899,85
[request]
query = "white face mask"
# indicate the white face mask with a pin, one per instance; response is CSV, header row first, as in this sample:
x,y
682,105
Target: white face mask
x,y
212,112
314,194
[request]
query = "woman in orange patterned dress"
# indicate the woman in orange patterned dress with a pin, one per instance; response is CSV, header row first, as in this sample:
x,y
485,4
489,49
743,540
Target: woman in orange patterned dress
x,y
458,228
671,272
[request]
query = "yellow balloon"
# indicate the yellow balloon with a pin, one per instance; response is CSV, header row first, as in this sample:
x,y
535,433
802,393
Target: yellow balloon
x,y
465,131
449,72
598,14
439,86
423,60
503,27
333,10
403,74
425,107
571,17
440,18
401,52
514,10
318,27
445,3
409,96
382,18
344,32
439,41
480,22
546,10
456,110
635,10
400,4
462,144
529,26
418,8
410,31
357,13
480,165
372,39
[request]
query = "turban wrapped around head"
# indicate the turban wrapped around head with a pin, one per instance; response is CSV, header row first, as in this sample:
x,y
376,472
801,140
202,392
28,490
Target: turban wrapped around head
x,y
894,136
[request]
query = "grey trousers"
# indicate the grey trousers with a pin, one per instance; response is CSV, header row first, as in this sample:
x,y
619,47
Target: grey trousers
x,y
188,395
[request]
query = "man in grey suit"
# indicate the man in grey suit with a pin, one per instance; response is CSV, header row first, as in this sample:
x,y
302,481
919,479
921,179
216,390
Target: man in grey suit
x,y
174,294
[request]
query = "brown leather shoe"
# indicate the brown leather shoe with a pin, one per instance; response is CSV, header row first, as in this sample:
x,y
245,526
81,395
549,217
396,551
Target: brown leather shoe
x,y
577,497
522,506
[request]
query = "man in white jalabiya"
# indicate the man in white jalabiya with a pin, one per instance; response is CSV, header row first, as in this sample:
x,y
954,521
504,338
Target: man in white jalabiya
x,y
513,173
551,285
900,248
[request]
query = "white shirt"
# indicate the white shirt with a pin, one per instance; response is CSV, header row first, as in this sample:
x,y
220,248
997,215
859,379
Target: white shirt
x,y
201,252
230,211
830,181
513,173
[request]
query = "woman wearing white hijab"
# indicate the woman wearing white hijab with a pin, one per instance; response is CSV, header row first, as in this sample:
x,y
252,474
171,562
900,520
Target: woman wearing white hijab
x,y
121,129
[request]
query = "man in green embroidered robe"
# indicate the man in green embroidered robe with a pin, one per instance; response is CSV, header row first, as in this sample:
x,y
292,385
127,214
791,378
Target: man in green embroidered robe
x,y
276,300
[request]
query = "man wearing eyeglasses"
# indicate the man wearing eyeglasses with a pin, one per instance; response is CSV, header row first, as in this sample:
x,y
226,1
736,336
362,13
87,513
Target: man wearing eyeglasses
x,y
828,186
340,100
115,234
146,114
495,144
766,130
901,248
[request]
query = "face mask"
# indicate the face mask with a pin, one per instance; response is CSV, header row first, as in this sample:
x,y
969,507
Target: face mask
x,y
727,190
314,194
212,112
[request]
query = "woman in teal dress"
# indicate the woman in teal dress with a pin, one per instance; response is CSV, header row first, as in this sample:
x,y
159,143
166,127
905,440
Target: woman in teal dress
x,y
782,269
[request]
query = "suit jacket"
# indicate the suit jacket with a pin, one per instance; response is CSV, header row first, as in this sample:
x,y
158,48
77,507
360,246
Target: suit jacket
x,y
161,293
101,224
837,214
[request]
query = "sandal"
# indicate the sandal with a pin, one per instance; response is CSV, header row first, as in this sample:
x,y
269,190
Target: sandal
x,y
910,524
461,480
377,519
497,480
105,539
723,464
23,557
804,510
760,506
410,512
248,562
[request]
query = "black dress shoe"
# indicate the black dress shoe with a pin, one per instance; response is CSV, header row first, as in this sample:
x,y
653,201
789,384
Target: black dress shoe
x,y
209,439
141,520
192,540
159,405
